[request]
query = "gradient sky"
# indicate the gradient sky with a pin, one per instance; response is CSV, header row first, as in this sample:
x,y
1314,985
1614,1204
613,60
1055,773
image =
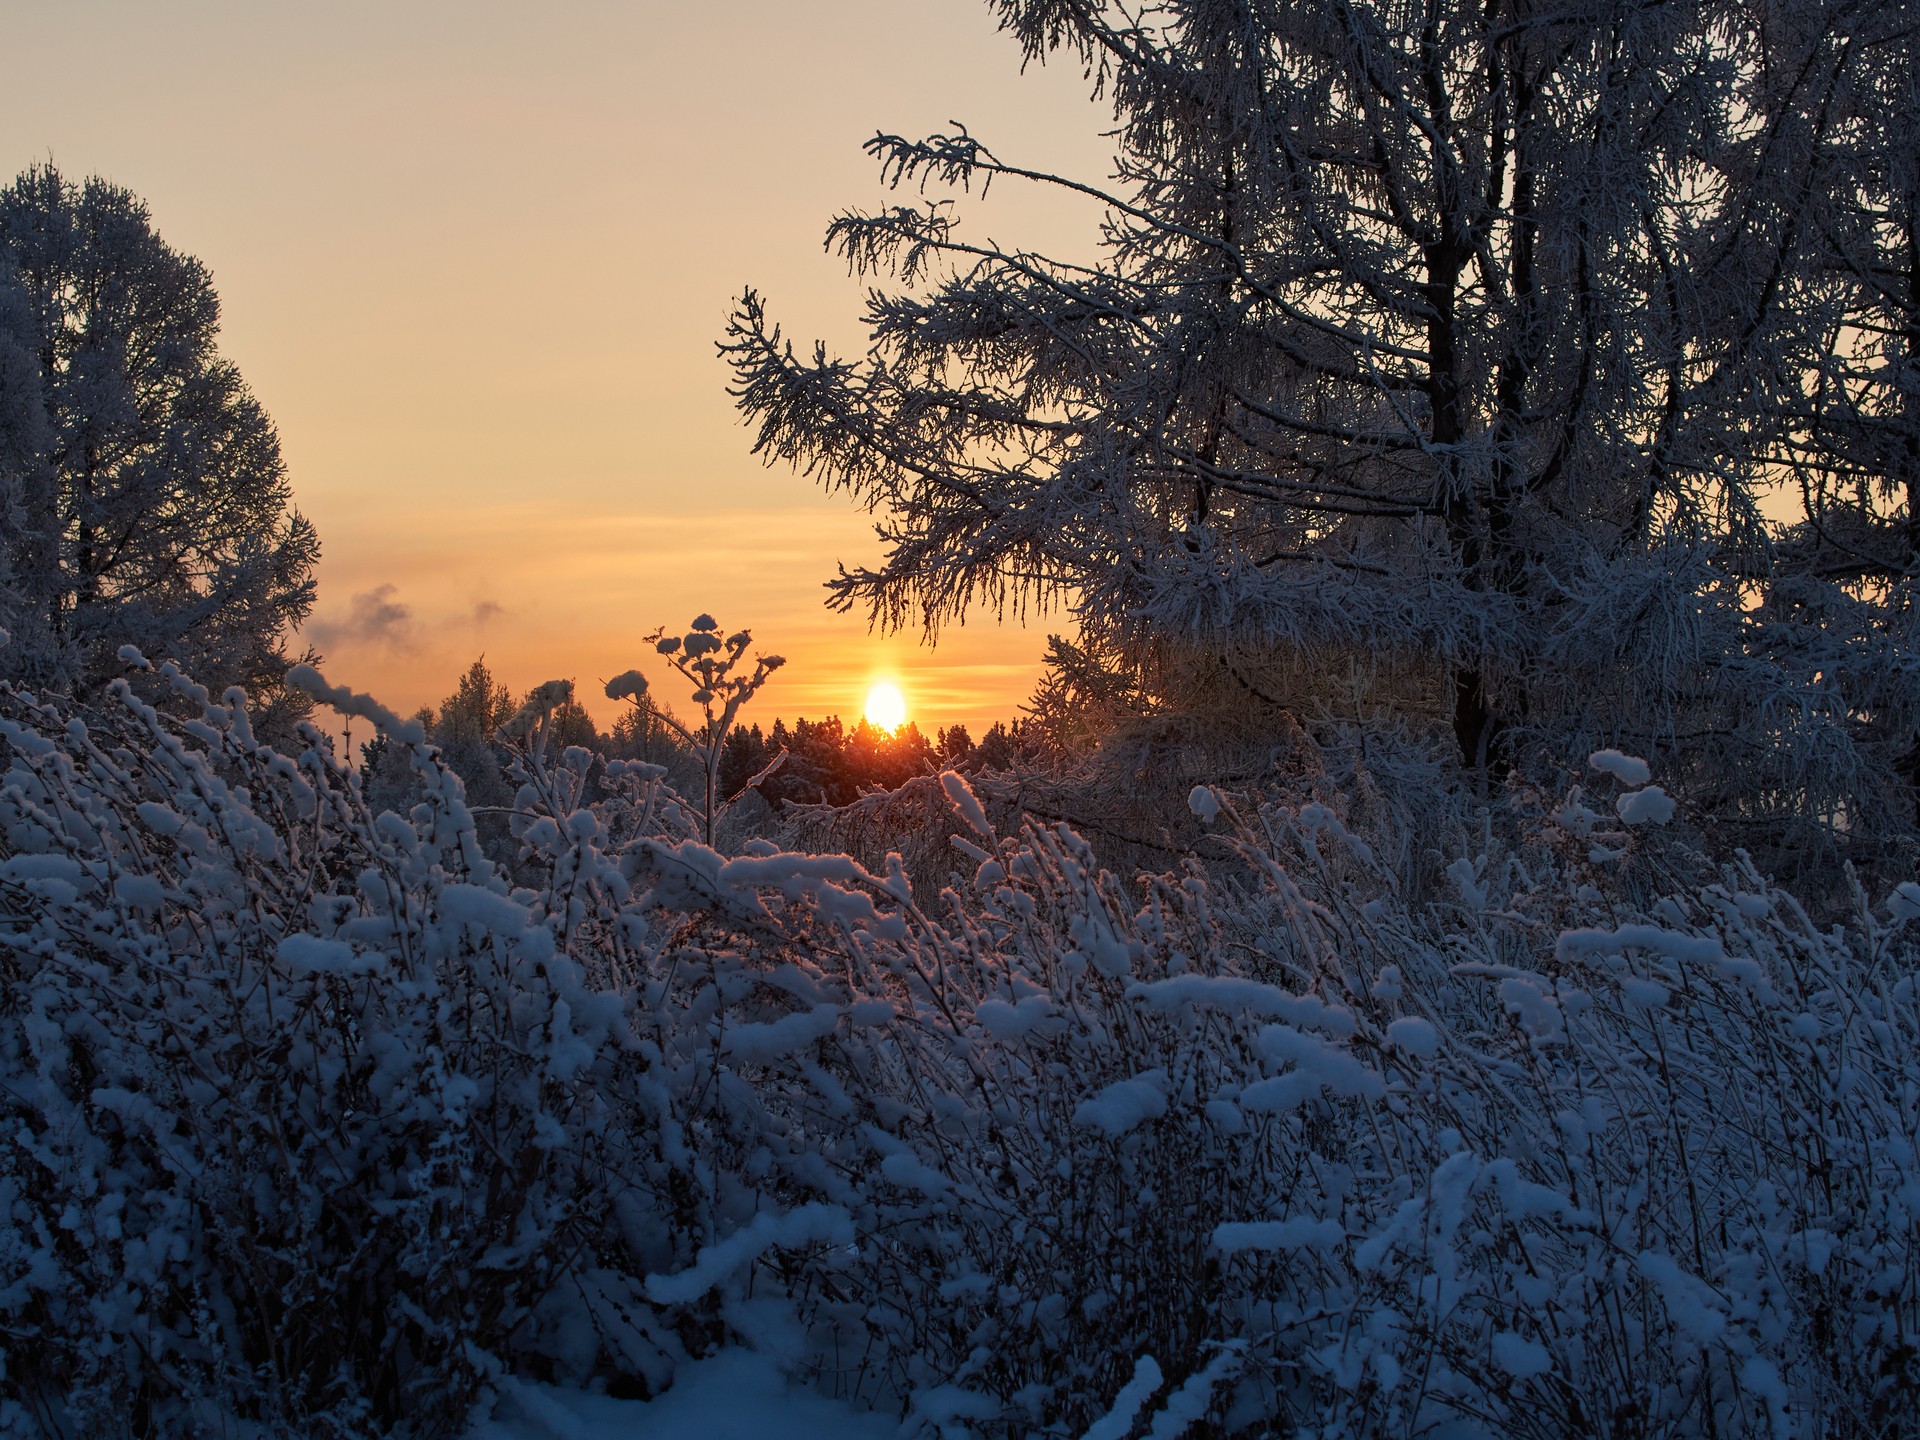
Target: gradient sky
x,y
474,259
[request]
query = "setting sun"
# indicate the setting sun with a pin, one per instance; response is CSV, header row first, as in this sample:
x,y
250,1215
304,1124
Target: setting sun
x,y
886,706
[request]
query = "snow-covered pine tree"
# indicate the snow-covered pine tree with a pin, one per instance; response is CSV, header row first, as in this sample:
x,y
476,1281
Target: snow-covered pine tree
x,y
466,728
1447,338
153,504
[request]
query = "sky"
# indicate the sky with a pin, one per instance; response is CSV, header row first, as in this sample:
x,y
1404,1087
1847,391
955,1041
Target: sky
x,y
474,259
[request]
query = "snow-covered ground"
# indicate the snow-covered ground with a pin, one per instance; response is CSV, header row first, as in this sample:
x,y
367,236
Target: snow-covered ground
x,y
737,1395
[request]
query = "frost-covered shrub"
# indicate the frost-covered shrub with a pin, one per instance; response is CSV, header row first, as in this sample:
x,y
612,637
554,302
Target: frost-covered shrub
x,y
1536,1156
721,686
316,1119
308,1116
1019,1100
1636,1169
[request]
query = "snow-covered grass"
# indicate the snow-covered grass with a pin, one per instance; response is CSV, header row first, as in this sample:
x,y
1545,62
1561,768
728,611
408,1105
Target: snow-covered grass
x,y
319,1119
738,1394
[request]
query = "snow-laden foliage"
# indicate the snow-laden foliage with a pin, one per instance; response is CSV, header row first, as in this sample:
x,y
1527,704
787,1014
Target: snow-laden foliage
x,y
314,1118
1466,342
143,497
305,1099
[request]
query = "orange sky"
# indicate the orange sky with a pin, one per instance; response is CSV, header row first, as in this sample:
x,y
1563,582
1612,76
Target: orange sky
x,y
474,258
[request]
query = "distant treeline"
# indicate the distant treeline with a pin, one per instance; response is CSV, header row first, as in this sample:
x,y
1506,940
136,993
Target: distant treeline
x,y
828,762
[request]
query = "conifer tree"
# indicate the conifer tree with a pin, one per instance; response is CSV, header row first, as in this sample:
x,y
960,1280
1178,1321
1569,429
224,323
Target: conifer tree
x,y
1455,339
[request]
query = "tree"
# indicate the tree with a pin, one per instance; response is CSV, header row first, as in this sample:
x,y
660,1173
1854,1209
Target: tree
x,y
1446,339
467,730
642,732
1002,745
1851,432
23,436
150,502
746,755
952,744
1854,438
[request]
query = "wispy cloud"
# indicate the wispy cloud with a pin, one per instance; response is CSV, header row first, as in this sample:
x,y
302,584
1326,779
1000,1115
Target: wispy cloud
x,y
373,617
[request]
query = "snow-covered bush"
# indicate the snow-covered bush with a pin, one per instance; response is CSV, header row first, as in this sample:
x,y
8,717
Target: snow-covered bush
x,y
1635,1168
1535,1157
1008,1098
314,1118
307,1114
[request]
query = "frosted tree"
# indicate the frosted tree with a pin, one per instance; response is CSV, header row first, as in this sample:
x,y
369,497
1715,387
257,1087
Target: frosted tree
x,y
1858,433
151,504
23,434
1851,438
1443,338
466,729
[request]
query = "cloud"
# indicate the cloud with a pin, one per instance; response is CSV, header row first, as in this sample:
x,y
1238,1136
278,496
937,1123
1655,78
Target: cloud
x,y
373,617
487,610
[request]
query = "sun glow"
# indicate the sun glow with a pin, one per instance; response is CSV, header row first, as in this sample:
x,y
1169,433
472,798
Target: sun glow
x,y
886,706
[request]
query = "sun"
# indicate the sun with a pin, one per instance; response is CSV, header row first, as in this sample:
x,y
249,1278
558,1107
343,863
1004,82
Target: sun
x,y
886,706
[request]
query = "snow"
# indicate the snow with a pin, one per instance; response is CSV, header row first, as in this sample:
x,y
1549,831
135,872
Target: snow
x,y
1904,903
1315,1064
1009,1022
905,1169
1627,769
1466,880
1692,949
541,702
967,803
1651,806
627,685
1124,1104
809,1224
311,955
305,678
1520,1357
735,1395
1242,995
1188,1404
1414,1035
1117,1423
1692,1306
756,1044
